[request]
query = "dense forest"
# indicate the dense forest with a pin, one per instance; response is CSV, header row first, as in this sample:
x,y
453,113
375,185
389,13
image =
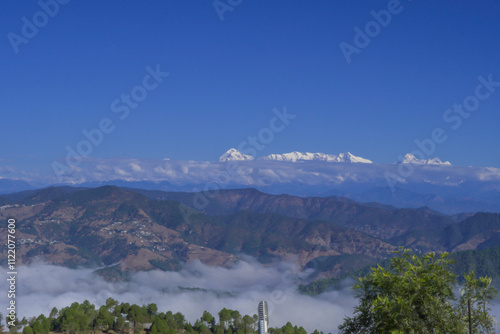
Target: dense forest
x,y
116,317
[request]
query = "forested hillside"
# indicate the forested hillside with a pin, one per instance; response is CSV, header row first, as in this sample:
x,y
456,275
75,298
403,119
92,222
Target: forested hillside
x,y
123,230
120,317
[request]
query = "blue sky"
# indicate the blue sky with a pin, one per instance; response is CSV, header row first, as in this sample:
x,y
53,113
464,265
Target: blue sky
x,y
226,77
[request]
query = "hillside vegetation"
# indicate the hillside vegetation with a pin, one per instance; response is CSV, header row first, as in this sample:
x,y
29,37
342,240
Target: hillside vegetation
x,y
116,317
124,230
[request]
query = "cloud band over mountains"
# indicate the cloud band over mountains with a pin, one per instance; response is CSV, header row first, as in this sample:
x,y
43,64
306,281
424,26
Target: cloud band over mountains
x,y
257,173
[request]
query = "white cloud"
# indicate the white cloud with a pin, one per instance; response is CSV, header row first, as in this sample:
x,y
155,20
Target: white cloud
x,y
262,173
135,167
42,287
121,172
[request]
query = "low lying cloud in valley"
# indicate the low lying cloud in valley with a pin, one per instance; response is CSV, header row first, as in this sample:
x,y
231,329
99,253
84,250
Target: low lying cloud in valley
x,y
195,288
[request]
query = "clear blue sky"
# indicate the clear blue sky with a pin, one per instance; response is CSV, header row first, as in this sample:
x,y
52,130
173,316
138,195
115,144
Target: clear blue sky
x,y
227,76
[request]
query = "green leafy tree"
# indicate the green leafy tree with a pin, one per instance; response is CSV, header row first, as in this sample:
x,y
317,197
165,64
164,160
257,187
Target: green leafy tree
x,y
69,320
288,328
159,326
236,319
219,329
78,318
247,324
208,319
138,315
53,313
111,304
179,320
414,296
27,330
124,307
37,327
476,295
40,325
201,328
171,320
224,317
104,319
46,326
152,309
119,324
300,330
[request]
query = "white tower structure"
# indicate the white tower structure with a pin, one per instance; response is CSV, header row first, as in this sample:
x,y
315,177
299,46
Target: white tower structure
x,y
263,317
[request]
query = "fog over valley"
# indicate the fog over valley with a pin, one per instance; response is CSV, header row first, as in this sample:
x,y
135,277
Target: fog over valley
x,y
190,291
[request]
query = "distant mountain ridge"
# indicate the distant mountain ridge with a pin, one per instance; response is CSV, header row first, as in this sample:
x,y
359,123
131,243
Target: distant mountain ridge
x,y
382,222
411,159
143,230
306,156
234,155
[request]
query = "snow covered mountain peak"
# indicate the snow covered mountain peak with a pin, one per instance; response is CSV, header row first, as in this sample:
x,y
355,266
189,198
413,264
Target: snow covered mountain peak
x,y
411,159
234,155
348,157
298,156
306,156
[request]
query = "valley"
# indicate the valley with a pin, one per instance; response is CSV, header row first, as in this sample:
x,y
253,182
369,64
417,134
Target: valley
x,y
129,230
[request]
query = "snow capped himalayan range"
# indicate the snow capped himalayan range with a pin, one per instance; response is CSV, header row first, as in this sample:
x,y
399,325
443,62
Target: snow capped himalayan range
x,y
235,155
414,181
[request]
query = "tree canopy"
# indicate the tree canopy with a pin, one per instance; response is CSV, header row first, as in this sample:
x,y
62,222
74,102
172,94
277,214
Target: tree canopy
x,y
417,295
121,317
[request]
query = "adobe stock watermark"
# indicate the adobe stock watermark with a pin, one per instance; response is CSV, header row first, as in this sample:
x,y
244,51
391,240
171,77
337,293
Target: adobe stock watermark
x,y
222,6
249,146
11,272
363,37
121,107
453,116
30,28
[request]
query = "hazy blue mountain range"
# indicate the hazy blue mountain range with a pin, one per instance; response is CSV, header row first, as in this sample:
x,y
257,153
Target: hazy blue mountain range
x,y
142,230
409,182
